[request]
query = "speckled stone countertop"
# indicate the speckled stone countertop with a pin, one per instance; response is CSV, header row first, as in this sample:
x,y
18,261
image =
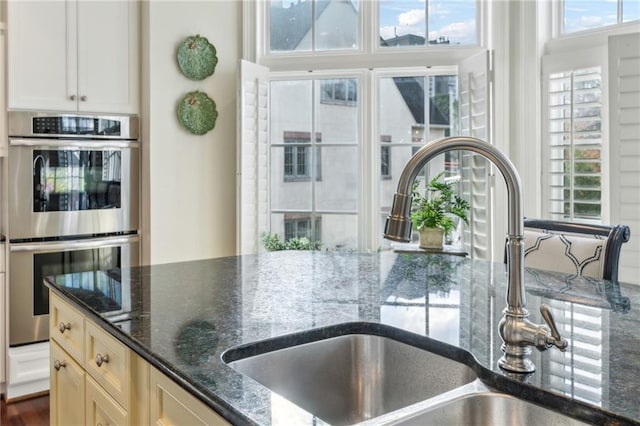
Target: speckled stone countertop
x,y
182,317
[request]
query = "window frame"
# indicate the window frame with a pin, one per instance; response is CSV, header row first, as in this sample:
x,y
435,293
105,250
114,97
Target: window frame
x,y
369,55
558,23
366,63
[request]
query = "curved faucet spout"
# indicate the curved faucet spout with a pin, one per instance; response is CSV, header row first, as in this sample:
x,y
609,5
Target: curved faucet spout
x,y
398,224
516,331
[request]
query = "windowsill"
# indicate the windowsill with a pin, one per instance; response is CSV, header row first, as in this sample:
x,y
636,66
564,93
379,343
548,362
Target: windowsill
x,y
415,248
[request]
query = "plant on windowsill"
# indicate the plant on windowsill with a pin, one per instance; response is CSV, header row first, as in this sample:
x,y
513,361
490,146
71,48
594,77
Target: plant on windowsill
x,y
434,216
272,242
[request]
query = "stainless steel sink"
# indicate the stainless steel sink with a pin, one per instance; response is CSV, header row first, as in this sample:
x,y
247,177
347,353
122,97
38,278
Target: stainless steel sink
x,y
351,378
494,409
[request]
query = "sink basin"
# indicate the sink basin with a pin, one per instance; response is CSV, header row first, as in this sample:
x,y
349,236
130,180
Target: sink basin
x,y
493,409
350,378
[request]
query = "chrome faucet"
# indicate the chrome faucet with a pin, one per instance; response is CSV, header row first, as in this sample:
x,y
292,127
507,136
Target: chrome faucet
x,y
517,332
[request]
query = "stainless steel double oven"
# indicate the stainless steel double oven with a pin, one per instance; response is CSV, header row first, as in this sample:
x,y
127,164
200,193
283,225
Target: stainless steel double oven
x,y
73,196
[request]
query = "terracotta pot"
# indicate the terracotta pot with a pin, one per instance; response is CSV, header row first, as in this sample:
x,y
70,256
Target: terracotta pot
x,y
431,238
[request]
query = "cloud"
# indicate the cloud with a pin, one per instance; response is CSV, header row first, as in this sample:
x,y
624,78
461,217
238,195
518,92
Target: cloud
x,y
411,18
457,32
588,22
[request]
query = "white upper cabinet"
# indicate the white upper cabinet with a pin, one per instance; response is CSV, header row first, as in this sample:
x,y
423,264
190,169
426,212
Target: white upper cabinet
x,y
73,55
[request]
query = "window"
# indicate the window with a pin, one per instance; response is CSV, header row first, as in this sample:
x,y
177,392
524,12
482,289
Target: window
x,y
413,22
313,25
297,161
580,15
297,156
314,177
385,157
300,226
339,92
575,145
330,74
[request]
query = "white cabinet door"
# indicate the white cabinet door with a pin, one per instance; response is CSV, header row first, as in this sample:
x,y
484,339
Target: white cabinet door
x,y
41,55
108,52
73,55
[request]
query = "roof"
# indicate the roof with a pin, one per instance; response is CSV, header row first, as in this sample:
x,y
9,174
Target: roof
x,y
296,19
412,91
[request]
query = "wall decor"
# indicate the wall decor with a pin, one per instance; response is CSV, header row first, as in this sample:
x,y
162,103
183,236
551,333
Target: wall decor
x,y
197,112
197,57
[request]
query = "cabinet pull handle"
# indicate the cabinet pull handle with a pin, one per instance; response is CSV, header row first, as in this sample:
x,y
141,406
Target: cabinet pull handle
x,y
83,98
101,358
59,364
73,97
62,327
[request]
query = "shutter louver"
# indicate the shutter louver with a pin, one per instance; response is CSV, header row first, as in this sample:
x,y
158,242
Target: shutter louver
x,y
253,158
474,95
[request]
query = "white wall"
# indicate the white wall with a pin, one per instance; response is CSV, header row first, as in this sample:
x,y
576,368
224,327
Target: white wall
x,y
189,197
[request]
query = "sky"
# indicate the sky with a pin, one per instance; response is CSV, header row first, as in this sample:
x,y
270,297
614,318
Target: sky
x,y
455,19
587,14
452,19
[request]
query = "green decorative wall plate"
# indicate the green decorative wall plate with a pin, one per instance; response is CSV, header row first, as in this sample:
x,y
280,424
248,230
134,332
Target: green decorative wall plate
x,y
197,113
197,57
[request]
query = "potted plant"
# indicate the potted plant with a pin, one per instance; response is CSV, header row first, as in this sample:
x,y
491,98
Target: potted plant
x,y
433,215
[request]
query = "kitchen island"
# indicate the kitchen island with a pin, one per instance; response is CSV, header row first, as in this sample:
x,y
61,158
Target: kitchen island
x,y
181,318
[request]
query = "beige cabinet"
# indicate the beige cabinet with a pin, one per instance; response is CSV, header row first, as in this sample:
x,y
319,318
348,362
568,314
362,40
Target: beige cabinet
x,y
101,409
98,380
67,389
73,55
172,405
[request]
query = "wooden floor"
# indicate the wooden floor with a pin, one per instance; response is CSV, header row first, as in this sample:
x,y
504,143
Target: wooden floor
x,y
30,412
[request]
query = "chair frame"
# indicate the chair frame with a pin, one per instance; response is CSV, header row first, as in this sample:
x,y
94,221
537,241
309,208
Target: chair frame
x,y
616,235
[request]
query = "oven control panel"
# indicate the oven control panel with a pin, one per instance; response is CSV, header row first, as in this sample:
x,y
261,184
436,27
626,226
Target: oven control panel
x,y
75,125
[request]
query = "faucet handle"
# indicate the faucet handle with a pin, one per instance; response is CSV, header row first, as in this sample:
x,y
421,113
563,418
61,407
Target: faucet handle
x,y
555,339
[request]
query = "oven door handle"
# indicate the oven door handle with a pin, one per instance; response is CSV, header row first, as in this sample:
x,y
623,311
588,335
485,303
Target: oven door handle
x,y
46,246
73,144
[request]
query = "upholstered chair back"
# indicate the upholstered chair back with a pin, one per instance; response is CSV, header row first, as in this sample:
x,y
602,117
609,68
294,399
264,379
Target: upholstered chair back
x,y
580,249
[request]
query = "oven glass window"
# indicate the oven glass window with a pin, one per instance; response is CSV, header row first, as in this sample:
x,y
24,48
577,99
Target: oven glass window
x,y
95,282
67,180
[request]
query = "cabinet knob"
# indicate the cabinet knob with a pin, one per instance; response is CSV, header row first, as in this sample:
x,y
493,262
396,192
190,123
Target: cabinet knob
x,y
102,358
62,327
59,364
83,98
73,97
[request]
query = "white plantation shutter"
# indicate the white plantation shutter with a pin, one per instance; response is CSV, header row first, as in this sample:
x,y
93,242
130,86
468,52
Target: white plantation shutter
x,y
574,145
475,100
253,158
624,107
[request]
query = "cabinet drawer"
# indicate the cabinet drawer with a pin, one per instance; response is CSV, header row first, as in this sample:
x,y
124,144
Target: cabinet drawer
x,y
66,327
108,362
101,409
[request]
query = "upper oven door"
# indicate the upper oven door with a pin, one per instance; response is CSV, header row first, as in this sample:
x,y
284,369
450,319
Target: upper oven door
x,y
72,187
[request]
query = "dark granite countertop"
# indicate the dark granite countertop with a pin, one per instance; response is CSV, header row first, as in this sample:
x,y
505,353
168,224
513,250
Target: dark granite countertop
x,y
181,317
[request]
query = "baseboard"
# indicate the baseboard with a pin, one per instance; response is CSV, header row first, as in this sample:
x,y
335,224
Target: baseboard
x,y
27,371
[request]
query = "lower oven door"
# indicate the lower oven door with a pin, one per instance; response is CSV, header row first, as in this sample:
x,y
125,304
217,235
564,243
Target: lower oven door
x,y
31,262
